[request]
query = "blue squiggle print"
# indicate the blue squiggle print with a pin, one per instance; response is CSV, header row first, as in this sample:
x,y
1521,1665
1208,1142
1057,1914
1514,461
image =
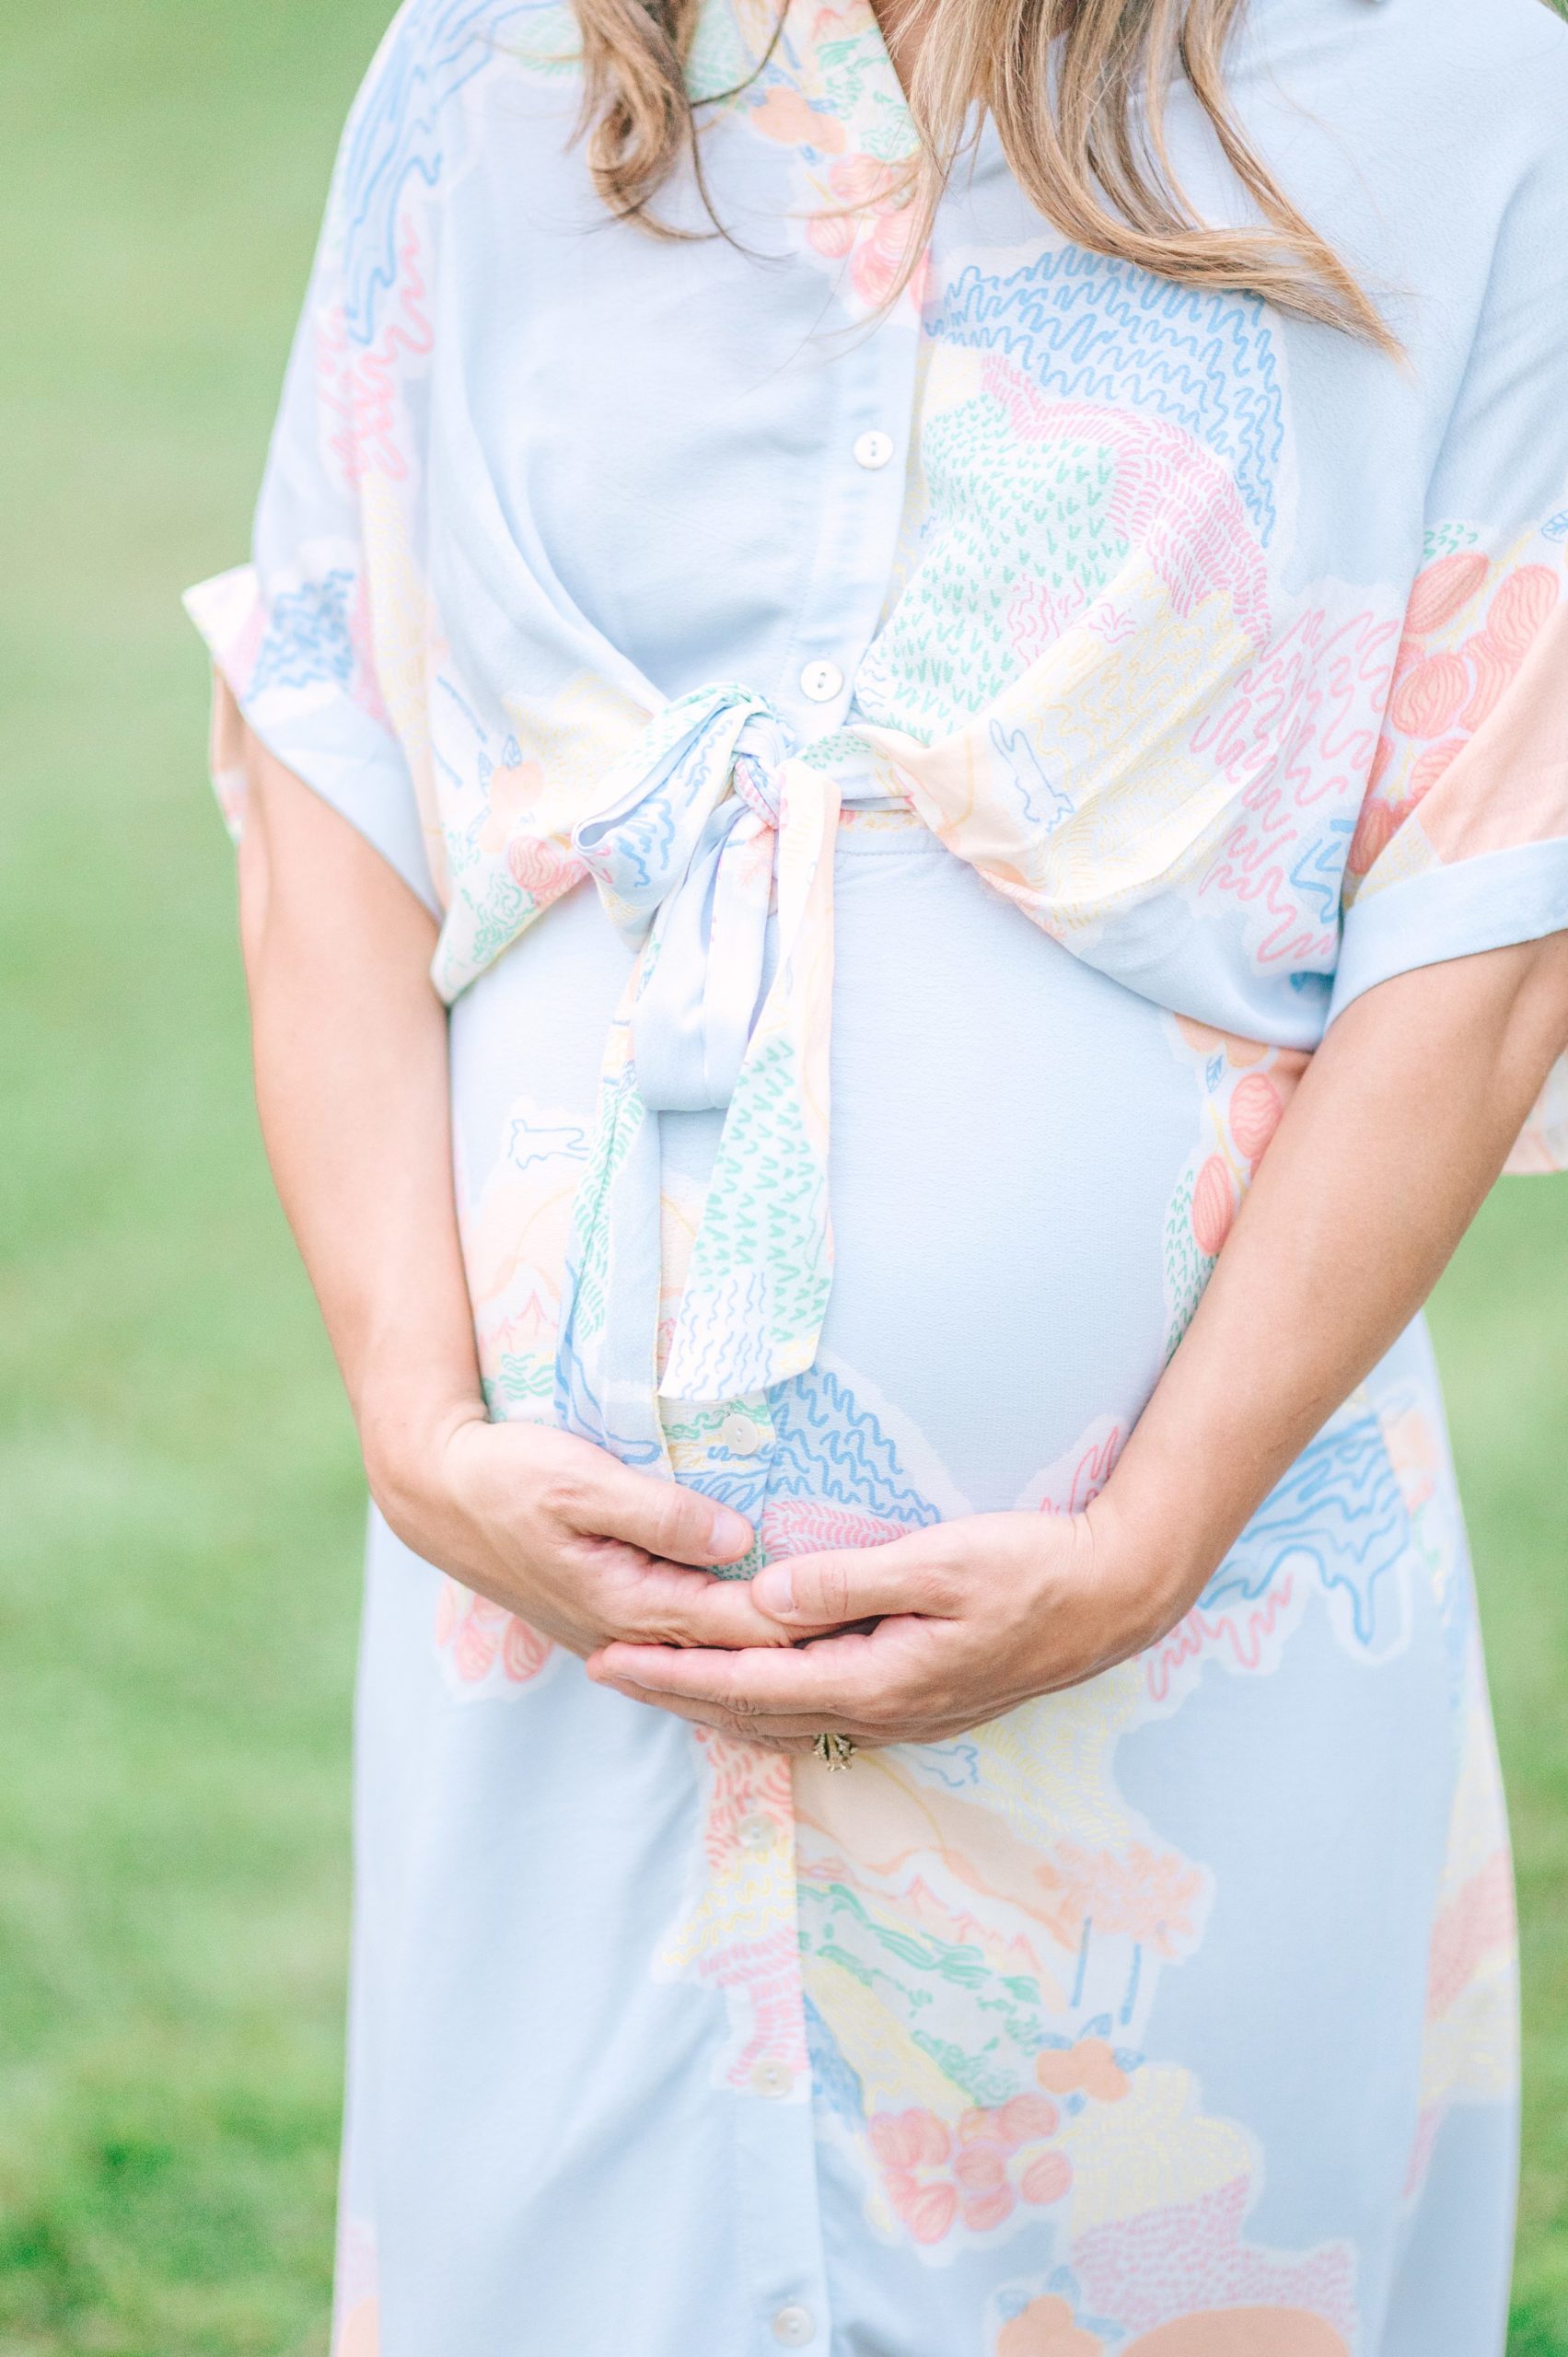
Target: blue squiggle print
x,y
829,1447
1340,1504
307,636
1089,328
834,2081
399,133
1319,874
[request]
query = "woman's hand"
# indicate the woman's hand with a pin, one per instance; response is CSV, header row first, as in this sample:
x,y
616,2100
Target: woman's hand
x,y
972,1618
559,1532
353,1087
1399,1126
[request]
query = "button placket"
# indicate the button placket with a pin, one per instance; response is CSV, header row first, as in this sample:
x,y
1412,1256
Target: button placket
x,y
860,510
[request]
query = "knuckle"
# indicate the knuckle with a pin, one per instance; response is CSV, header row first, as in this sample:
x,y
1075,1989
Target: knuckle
x,y
938,1583
671,1521
562,1495
657,1626
834,1591
883,1713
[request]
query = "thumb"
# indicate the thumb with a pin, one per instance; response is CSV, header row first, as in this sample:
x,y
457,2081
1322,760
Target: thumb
x,y
662,1518
855,1584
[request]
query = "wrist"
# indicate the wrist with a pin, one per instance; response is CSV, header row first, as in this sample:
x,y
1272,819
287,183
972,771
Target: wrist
x,y
405,1437
1156,1563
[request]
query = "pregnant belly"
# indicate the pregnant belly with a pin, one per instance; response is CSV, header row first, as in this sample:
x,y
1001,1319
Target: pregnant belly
x,y
1032,1169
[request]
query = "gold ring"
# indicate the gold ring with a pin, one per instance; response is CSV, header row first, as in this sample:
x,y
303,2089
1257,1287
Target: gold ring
x,y
835,1751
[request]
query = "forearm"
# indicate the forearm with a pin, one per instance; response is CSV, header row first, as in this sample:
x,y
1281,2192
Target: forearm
x,y
350,1046
1398,1128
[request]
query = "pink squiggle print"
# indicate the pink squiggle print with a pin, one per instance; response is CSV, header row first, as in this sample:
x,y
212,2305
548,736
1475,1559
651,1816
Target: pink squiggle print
x,y
1079,1474
747,1783
1245,1636
807,1525
1160,2264
767,1973
1171,499
1299,729
363,391
759,1971
1036,614
1093,1470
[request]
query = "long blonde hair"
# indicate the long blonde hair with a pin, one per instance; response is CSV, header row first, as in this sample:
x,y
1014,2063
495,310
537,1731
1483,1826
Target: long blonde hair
x,y
1065,83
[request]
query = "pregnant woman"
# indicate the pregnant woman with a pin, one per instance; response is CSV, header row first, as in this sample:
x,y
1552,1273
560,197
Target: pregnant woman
x,y
899,741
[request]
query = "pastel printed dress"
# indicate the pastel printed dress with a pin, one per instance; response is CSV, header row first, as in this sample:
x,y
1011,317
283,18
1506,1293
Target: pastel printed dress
x,y
905,781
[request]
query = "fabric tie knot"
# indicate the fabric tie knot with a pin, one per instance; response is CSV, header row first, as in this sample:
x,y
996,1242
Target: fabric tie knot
x,y
757,780
708,824
682,850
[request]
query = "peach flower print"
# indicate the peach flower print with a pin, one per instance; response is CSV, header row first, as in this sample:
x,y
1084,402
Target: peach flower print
x,y
1046,2329
871,220
1245,1112
789,117
976,2171
479,1638
1441,694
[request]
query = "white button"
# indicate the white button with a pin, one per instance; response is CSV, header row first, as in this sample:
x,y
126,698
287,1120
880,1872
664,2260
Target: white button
x,y
821,682
874,449
771,2079
796,2327
739,1434
758,1832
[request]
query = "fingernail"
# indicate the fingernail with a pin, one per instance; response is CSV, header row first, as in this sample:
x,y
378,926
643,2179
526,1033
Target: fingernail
x,y
731,1534
775,1591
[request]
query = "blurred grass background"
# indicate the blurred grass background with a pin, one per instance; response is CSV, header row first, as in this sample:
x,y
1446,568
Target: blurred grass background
x,y
180,1506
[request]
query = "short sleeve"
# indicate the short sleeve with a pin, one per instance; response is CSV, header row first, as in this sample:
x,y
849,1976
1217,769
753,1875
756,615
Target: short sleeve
x,y
317,641
1462,841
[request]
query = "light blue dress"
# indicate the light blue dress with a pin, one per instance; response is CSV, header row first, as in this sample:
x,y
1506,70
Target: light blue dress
x,y
906,779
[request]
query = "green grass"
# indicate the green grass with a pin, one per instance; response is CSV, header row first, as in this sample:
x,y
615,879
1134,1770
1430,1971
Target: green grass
x,y
180,1510
180,1513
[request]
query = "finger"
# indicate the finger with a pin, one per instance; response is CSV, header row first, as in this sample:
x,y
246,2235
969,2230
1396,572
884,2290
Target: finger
x,y
912,1575
797,1737
605,1500
664,1603
840,1677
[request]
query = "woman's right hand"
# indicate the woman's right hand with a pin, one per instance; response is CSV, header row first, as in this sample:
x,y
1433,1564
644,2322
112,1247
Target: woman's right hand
x,y
578,1545
353,1083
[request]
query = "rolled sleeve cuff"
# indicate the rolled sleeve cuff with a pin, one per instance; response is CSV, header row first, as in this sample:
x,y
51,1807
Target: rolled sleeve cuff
x,y
1489,902
317,731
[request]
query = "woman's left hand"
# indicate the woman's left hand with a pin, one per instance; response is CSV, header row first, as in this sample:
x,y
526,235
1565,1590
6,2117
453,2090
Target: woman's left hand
x,y
972,1618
